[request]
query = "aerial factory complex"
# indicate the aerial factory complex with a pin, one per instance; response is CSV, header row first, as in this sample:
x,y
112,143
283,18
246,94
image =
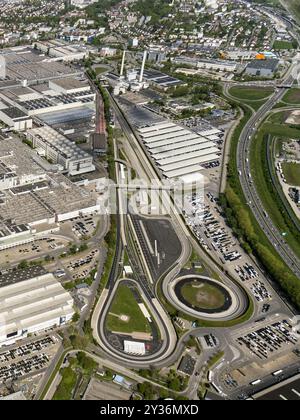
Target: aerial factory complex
x,y
150,200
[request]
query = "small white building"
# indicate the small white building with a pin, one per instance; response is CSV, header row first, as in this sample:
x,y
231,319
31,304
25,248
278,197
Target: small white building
x,y
135,347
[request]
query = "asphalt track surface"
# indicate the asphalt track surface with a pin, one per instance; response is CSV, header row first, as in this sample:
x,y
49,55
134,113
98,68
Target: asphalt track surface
x,y
237,300
168,344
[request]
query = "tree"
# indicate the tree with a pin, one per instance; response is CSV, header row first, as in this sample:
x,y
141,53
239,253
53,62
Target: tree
x,y
73,249
83,247
147,390
175,384
76,317
23,265
78,342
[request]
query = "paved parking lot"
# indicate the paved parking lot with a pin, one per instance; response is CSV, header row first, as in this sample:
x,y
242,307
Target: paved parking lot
x,y
206,222
34,249
260,291
205,217
83,226
269,339
209,341
24,367
26,359
80,266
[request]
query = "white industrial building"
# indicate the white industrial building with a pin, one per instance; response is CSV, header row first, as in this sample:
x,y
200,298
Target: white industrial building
x,y
135,347
59,150
32,200
11,236
69,85
31,301
178,151
82,4
62,51
215,65
21,103
15,118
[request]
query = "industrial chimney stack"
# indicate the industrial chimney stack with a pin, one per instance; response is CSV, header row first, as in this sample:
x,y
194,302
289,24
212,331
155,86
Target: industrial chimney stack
x,y
123,64
143,67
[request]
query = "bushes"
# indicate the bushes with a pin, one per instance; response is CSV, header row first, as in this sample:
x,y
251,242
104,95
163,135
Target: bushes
x,y
86,363
65,388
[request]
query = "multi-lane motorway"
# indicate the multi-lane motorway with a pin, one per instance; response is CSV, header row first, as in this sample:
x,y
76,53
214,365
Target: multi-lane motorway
x,y
244,166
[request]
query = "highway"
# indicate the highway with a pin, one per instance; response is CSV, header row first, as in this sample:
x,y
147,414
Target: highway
x,y
267,381
251,195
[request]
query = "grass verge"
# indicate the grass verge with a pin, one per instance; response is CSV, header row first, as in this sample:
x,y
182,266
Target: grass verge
x,y
124,303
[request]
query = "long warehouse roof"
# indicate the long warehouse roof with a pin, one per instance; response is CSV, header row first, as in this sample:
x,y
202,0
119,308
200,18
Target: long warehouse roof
x,y
184,163
31,302
210,132
164,136
183,171
157,133
185,137
179,158
175,152
190,169
181,145
158,126
213,137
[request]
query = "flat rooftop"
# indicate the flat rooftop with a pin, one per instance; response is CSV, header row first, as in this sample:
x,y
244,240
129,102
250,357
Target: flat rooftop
x,y
161,79
24,63
70,83
18,158
28,305
14,113
35,194
20,91
270,64
177,150
17,276
57,197
59,142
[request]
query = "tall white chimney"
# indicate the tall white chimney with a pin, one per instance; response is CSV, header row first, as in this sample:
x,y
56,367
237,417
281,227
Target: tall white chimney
x,y
123,64
143,66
